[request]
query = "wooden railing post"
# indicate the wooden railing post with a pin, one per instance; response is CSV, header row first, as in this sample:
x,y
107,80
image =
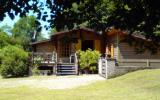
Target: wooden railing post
x,y
76,63
148,63
55,67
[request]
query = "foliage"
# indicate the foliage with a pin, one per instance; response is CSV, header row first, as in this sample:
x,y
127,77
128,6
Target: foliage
x,y
35,71
5,28
141,16
26,30
89,59
52,31
37,62
5,40
13,62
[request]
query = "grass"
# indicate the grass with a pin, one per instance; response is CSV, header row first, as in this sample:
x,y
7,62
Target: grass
x,y
139,85
23,78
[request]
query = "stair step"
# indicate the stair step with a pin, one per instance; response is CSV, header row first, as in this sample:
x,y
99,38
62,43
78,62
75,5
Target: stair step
x,y
66,73
65,65
66,70
62,68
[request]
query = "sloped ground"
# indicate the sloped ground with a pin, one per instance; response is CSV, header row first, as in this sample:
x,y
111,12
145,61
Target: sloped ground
x,y
139,85
53,82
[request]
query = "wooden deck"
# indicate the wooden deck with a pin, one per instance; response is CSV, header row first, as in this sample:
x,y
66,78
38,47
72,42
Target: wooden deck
x,y
59,67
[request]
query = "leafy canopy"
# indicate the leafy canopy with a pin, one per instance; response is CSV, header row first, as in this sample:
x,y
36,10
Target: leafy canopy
x,y
6,39
141,16
26,30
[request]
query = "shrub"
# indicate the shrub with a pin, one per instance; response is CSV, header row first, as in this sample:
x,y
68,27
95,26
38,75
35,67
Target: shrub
x,y
4,39
88,60
37,62
13,62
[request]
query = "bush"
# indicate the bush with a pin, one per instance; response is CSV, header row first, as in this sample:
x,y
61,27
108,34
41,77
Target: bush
x,y
37,62
4,39
88,60
13,62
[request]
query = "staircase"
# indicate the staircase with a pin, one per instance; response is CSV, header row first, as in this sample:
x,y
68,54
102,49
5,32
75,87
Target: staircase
x,y
66,69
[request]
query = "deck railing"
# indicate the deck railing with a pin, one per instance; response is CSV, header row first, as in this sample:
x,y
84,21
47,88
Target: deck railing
x,y
48,57
44,57
51,59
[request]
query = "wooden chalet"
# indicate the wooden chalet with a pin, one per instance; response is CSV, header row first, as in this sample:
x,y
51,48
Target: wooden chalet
x,y
59,52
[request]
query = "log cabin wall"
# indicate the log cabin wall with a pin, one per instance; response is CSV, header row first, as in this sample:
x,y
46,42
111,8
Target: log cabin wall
x,y
122,50
128,52
112,46
78,35
126,55
45,47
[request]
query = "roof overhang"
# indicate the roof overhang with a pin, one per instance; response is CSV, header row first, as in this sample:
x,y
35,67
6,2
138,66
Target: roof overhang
x,y
39,42
78,29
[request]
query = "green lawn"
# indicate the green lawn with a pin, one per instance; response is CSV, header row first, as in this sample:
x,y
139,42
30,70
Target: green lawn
x,y
140,85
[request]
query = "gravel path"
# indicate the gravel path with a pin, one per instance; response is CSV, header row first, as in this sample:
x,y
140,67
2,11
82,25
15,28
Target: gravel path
x,y
60,82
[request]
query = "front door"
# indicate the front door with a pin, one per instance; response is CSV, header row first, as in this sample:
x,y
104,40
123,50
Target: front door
x,y
86,44
64,51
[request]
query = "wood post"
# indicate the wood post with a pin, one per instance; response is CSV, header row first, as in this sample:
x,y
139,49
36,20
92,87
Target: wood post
x,y
148,63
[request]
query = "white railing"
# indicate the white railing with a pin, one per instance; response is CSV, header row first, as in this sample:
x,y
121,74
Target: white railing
x,y
44,57
74,59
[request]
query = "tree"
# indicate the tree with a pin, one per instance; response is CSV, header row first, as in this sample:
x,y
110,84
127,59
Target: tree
x,y
137,15
6,39
141,16
25,30
5,28
15,7
52,31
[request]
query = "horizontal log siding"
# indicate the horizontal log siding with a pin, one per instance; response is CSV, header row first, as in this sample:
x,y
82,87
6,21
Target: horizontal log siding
x,y
139,63
116,50
129,57
128,52
45,47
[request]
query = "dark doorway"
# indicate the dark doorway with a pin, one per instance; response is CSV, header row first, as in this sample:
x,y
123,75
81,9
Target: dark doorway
x,y
87,44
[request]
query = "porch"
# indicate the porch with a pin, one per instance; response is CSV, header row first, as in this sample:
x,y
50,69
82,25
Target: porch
x,y
49,63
